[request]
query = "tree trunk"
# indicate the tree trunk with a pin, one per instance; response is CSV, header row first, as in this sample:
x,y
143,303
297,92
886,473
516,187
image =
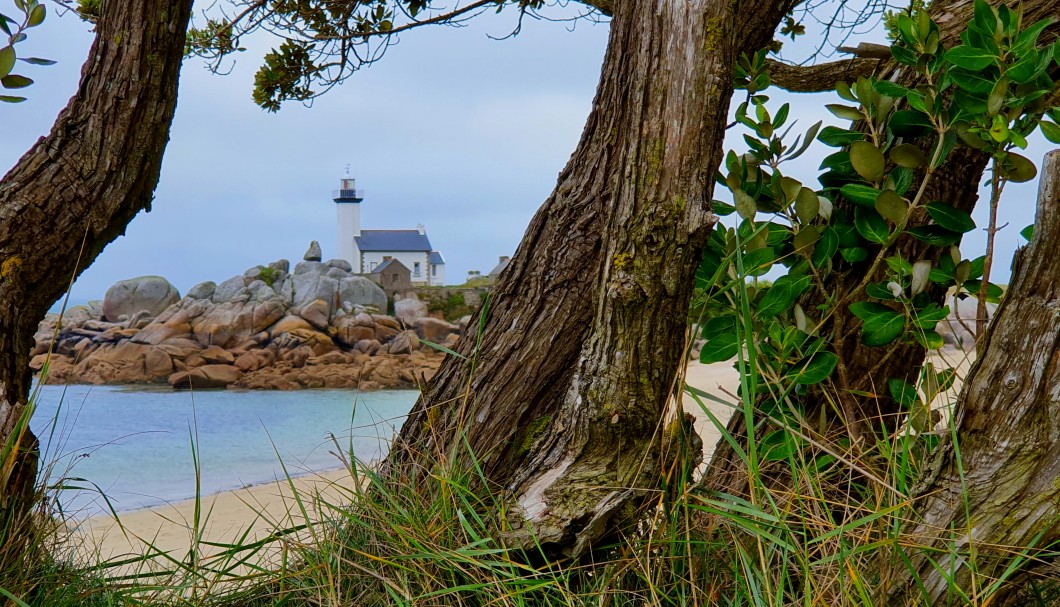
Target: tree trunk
x,y
866,369
75,191
1009,437
565,402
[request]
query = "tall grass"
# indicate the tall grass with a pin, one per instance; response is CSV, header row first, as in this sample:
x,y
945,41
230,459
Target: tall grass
x,y
829,537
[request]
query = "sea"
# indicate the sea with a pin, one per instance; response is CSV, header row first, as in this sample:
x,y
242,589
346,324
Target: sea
x,y
143,446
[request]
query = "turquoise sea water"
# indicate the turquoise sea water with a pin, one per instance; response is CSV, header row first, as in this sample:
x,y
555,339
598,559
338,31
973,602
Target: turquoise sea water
x,y
136,443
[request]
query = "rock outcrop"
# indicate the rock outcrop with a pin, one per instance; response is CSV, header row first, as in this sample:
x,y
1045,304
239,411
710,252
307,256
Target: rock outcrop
x,y
126,298
318,326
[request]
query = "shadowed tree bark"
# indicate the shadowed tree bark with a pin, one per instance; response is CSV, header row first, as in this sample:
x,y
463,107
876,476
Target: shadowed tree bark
x,y
1008,429
75,191
585,331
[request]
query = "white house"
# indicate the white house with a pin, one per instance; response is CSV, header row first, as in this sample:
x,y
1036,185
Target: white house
x,y
367,249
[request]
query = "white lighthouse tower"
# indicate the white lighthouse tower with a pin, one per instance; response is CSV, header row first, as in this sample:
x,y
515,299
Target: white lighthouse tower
x,y
348,206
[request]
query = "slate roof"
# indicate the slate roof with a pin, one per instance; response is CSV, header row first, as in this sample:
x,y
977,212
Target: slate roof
x,y
436,259
393,240
497,269
390,263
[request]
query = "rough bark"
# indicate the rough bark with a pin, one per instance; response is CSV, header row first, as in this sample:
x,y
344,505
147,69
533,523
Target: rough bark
x,y
76,190
865,369
1008,429
584,333
822,77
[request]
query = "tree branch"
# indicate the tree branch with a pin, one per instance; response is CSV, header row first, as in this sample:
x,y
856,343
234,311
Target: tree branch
x,y
823,77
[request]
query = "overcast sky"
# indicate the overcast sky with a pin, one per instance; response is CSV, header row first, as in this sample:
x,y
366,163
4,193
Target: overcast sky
x,y
451,129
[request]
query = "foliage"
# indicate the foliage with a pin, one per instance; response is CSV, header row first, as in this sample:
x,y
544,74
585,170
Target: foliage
x,y
987,93
31,14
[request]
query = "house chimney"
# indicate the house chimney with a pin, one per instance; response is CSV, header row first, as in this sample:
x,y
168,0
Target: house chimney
x,y
421,228
505,259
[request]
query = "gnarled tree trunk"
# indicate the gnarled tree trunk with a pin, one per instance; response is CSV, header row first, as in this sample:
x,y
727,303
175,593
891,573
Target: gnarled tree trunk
x,y
582,339
1008,431
75,191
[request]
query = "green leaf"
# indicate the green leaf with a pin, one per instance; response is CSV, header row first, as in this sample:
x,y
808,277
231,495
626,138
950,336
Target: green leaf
x,y
1028,39
745,205
719,325
891,206
886,87
805,240
902,392
861,195
867,309
7,60
1028,232
903,55
880,324
950,218
722,209
1050,130
759,261
790,188
996,99
976,83
777,446
807,205
721,348
811,134
826,247
879,290
837,137
930,339
1026,69
782,116
11,99
36,61
909,124
899,266
36,16
14,81
853,254
930,316
993,292
782,295
871,225
970,58
984,17
1018,169
814,369
845,112
999,129
934,235
902,178
867,160
908,155
908,30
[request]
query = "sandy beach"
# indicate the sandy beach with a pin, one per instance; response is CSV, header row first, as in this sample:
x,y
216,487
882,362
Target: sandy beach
x,y
255,510
229,516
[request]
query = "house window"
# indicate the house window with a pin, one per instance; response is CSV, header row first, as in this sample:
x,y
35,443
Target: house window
x,y
372,265
434,270
416,268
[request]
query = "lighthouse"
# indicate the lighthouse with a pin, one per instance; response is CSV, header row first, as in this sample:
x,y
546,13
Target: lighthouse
x,y
348,208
